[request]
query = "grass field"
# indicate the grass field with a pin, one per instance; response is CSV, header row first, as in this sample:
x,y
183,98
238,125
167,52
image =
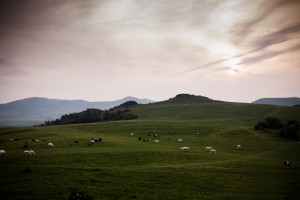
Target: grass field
x,y
122,167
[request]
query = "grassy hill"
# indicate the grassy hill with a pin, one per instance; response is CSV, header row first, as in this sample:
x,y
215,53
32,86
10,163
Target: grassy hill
x,y
123,167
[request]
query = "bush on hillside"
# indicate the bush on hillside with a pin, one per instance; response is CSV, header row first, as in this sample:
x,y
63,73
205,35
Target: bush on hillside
x,y
289,130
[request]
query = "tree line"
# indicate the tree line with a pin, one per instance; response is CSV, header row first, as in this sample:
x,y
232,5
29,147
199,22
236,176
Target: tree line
x,y
91,115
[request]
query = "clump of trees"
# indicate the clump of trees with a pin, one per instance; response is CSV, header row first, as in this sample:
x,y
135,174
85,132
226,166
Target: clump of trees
x,y
96,115
288,130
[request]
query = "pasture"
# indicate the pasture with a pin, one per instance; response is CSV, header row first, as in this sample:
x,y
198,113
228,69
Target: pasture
x,y
122,167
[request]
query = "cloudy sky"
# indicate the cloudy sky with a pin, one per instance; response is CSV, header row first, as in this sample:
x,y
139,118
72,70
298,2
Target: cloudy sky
x,y
102,50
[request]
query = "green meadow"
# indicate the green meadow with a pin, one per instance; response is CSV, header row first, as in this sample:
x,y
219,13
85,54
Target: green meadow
x,y
123,167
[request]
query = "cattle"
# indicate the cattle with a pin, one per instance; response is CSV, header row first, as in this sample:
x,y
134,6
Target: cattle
x,y
208,148
213,151
156,141
287,163
50,145
179,140
96,140
25,146
185,148
238,146
2,153
92,141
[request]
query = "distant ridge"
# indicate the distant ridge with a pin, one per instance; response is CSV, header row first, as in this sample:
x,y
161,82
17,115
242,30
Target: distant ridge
x,y
36,110
290,101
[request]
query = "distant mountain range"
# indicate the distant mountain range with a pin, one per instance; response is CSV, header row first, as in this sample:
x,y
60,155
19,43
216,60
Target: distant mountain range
x,y
291,101
35,110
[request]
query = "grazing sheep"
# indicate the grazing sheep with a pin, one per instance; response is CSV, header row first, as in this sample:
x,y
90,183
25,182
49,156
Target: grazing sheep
x,y
156,135
140,138
32,152
92,141
76,142
50,144
208,148
213,151
179,140
2,153
131,134
185,148
238,146
156,141
29,153
100,139
287,163
95,139
198,134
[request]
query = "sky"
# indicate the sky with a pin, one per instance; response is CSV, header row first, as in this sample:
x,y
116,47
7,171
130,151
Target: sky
x,y
104,50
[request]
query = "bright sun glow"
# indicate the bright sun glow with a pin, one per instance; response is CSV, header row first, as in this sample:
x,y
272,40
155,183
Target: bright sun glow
x,y
233,63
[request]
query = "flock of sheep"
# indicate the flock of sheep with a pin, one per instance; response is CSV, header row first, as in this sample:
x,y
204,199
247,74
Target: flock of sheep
x,y
210,149
26,152
94,140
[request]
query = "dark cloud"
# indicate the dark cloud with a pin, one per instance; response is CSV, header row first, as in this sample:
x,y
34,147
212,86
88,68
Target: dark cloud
x,y
264,10
267,55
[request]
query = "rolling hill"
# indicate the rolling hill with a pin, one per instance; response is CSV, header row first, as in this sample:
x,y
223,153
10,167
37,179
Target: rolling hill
x,y
33,111
123,167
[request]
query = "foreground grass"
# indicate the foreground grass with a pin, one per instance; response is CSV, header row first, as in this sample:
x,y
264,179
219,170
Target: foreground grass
x,y
121,167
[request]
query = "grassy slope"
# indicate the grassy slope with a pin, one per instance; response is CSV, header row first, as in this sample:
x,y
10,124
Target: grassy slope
x,y
121,167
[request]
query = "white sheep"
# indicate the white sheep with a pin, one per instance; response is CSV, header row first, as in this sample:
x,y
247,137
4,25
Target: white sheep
x,y
2,153
213,151
29,153
179,140
32,153
50,144
156,141
185,148
208,148
92,141
238,146
131,134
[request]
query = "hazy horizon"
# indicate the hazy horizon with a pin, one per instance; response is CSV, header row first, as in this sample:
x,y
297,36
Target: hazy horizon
x,y
237,51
